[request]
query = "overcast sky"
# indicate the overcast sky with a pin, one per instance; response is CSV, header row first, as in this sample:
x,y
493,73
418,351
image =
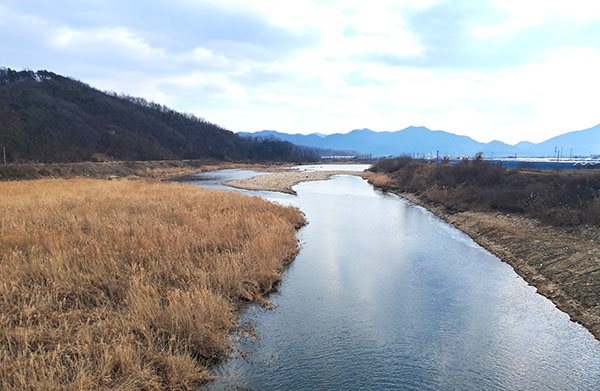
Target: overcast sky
x,y
510,70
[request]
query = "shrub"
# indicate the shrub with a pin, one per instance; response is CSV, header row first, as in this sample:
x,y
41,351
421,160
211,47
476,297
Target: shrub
x,y
558,198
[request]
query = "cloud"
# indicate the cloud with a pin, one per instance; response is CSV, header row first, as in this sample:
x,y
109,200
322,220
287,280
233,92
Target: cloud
x,y
490,69
498,34
105,45
178,25
525,14
533,101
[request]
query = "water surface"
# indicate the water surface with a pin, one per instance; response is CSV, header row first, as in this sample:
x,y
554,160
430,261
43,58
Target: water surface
x,y
386,296
332,167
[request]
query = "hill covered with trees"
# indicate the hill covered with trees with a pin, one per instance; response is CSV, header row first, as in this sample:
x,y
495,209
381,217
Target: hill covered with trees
x,y
45,117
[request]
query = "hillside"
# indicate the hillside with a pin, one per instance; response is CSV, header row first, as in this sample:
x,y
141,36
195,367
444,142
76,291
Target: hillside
x,y
45,117
422,141
578,143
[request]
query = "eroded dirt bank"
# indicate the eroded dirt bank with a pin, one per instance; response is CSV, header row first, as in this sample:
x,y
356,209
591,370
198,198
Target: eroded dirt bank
x,y
562,263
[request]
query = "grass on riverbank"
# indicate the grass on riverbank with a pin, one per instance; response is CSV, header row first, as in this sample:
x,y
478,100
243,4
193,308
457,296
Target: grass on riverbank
x,y
151,169
560,198
128,285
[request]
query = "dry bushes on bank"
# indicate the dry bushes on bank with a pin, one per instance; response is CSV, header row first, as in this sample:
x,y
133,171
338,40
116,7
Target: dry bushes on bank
x,y
377,179
128,285
559,198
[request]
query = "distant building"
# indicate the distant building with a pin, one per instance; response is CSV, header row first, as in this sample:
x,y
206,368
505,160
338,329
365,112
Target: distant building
x,y
339,157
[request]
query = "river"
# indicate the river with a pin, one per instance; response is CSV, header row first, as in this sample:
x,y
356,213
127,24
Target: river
x,y
386,296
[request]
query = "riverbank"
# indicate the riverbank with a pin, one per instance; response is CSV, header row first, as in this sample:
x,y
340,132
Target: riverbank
x,y
157,169
562,262
283,181
109,285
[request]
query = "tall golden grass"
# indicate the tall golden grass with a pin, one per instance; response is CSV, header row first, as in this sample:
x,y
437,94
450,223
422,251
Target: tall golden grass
x,y
378,179
129,285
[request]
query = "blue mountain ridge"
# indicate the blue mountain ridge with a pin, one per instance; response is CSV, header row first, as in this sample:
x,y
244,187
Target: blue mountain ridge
x,y
421,141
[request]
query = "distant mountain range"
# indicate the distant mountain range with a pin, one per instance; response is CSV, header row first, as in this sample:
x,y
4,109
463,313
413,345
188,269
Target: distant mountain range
x,y
421,141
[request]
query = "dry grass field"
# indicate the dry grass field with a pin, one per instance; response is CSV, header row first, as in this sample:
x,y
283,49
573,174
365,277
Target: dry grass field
x,y
129,285
157,169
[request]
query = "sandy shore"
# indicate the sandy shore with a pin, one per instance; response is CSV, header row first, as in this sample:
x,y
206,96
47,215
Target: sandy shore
x,y
562,263
283,181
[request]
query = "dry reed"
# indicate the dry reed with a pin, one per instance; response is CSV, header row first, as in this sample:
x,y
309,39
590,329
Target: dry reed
x,y
129,285
378,179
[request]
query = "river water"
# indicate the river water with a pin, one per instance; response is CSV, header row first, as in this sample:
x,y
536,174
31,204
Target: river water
x,y
385,296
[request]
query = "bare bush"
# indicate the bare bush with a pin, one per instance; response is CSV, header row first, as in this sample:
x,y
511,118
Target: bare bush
x,y
558,198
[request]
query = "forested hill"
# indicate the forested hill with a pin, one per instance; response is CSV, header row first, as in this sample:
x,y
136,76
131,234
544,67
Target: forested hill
x,y
45,117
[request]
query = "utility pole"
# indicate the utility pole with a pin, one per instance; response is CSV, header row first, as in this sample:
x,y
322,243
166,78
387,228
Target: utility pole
x,y
4,153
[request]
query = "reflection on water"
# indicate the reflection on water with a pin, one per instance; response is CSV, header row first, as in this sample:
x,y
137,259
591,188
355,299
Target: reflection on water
x,y
384,295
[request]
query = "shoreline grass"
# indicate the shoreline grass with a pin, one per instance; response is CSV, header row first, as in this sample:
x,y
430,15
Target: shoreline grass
x,y
557,198
129,285
146,169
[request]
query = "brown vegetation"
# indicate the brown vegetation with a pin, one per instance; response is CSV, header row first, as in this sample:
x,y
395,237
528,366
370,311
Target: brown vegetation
x,y
152,169
378,179
559,198
545,224
129,285
158,169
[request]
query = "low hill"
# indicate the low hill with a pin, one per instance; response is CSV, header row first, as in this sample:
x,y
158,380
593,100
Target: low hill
x,y
578,143
45,117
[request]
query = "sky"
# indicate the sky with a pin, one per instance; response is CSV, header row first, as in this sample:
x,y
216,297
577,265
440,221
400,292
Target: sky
x,y
509,70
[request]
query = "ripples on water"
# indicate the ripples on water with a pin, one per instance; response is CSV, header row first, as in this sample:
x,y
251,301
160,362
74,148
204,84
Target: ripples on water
x,y
384,295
